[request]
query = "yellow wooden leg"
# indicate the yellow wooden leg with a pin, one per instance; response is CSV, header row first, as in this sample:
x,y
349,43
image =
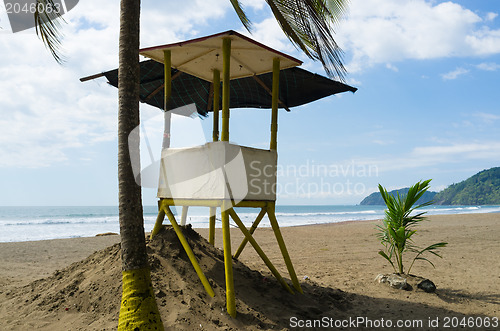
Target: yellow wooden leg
x,y
226,76
274,104
158,223
259,250
274,224
189,252
228,263
184,215
252,230
211,231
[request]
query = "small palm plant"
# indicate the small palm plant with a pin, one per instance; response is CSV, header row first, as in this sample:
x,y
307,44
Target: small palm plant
x,y
396,232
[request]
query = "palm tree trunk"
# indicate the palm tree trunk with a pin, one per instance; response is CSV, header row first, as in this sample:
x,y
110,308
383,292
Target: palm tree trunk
x,y
138,306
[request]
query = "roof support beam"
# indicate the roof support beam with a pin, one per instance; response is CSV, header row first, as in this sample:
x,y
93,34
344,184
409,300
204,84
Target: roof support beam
x,y
274,104
197,56
167,76
243,65
226,76
261,83
159,88
167,65
84,79
216,98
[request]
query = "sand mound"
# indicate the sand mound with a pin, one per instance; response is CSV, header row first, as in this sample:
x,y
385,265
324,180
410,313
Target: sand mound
x,y
86,295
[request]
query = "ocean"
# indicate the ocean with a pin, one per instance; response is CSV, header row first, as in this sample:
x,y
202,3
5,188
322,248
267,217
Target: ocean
x,y
41,223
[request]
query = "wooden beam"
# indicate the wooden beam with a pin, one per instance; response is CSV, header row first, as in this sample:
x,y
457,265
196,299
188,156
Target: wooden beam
x,y
167,65
226,59
159,88
269,91
84,79
216,96
274,104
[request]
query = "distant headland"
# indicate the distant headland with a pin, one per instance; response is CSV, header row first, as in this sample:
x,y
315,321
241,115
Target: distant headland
x,y
481,189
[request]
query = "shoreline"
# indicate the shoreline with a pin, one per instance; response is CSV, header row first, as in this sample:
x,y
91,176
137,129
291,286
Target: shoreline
x,y
218,226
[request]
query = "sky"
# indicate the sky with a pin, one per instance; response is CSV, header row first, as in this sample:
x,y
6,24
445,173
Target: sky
x,y
428,106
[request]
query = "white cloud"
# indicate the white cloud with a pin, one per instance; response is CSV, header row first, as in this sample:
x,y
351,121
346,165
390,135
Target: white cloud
x,y
353,82
382,142
170,21
46,110
4,23
491,16
391,67
270,34
454,74
488,66
429,156
478,121
255,4
484,42
387,31
487,118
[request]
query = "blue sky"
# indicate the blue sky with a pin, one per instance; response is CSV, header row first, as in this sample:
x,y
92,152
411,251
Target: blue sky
x,y
428,106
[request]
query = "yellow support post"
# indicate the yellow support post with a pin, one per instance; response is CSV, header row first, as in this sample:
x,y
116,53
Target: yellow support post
x,y
276,229
252,230
259,250
184,215
228,262
158,223
167,64
210,203
211,231
189,252
167,77
274,104
216,84
252,204
226,57
191,202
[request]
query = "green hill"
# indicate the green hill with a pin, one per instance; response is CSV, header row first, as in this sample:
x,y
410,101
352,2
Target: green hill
x,y
376,199
481,189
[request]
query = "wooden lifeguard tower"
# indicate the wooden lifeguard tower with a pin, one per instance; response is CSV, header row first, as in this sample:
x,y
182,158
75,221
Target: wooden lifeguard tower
x,y
234,56
221,174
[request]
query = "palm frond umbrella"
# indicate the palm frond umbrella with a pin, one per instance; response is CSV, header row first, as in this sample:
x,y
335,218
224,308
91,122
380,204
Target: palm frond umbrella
x,y
297,87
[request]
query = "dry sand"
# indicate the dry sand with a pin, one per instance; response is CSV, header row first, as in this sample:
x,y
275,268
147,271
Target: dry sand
x,y
59,285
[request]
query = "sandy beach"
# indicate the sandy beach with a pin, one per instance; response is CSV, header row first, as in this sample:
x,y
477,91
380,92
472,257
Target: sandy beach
x,y
74,284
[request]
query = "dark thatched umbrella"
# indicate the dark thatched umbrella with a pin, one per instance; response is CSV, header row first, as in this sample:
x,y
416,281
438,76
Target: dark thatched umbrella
x,y
297,87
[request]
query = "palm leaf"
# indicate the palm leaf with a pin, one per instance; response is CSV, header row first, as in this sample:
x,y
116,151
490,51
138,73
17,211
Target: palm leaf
x,y
423,259
382,253
431,249
48,26
397,231
241,14
308,25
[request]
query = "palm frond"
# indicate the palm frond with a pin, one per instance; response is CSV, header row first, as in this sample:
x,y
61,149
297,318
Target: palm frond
x,y
308,25
397,229
431,249
238,8
48,28
388,258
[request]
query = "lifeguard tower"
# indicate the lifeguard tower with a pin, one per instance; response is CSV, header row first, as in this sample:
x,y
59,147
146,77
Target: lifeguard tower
x,y
234,56
220,174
